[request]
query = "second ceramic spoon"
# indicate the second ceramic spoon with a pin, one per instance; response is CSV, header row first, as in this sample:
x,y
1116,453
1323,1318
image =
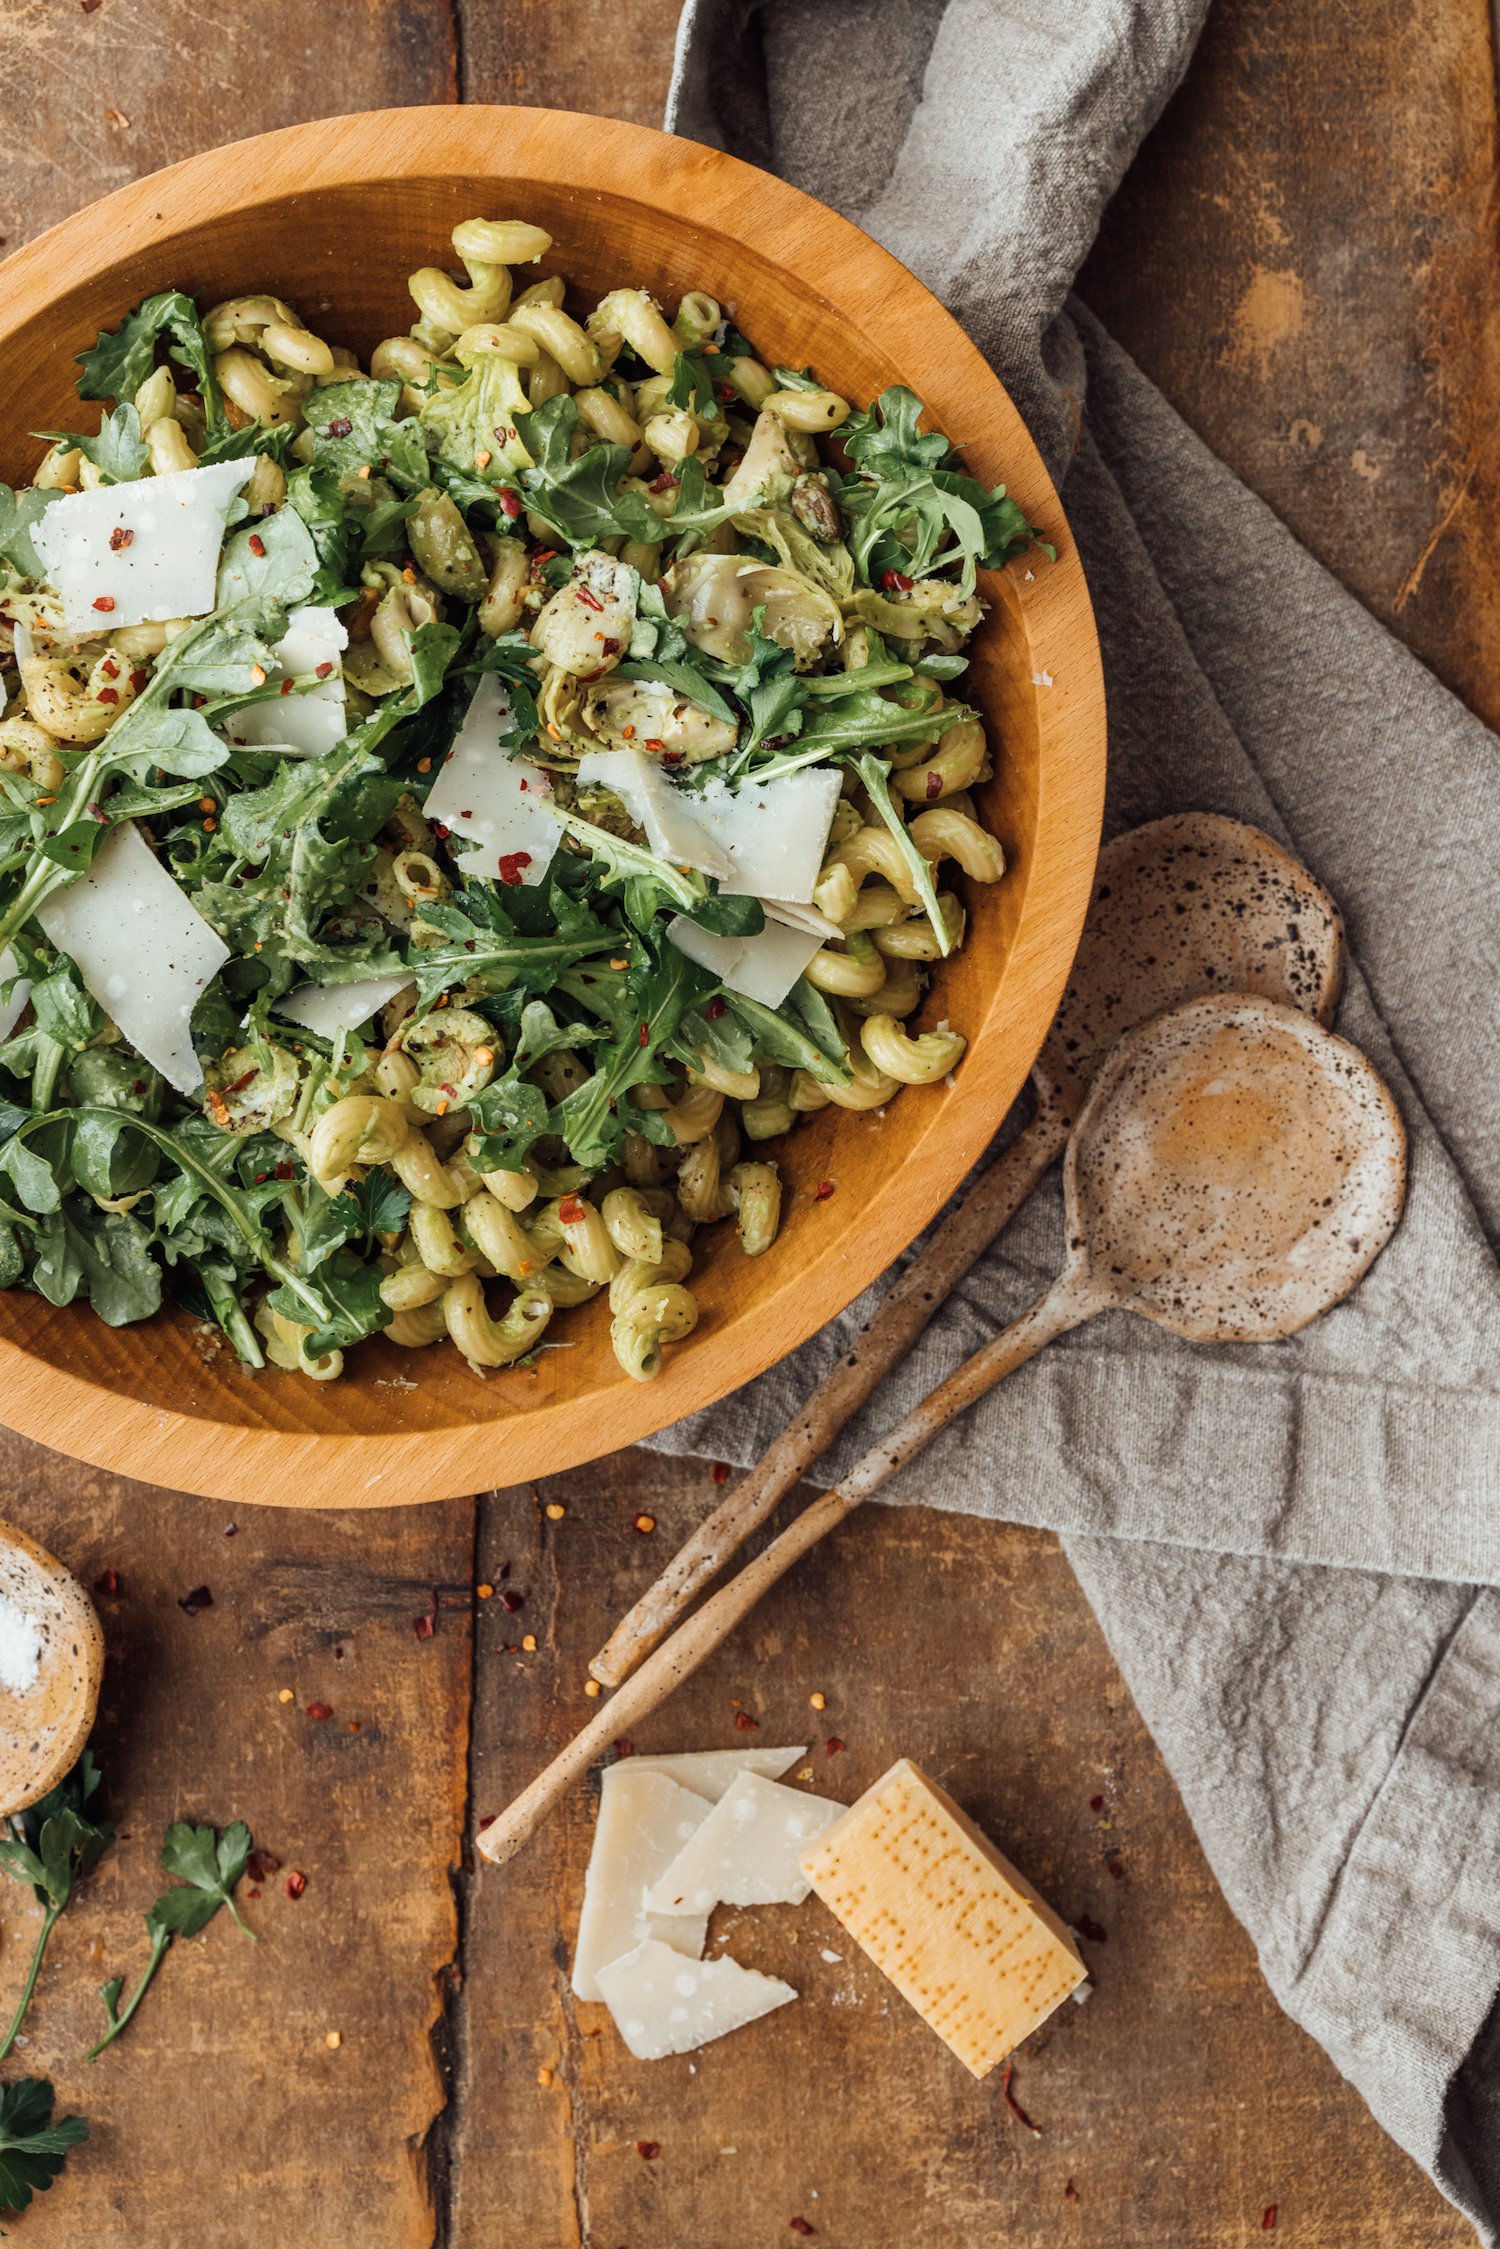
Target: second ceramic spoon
x,y
1191,904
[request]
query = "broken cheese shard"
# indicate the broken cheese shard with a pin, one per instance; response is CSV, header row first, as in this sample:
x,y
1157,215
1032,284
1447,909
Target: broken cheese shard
x,y
644,1820
747,1852
710,1772
664,2004
959,1932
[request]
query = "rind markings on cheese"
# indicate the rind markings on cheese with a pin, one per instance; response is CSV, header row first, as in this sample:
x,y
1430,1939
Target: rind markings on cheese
x,y
307,724
496,802
664,2004
945,1915
144,951
644,1820
712,1772
169,565
747,1852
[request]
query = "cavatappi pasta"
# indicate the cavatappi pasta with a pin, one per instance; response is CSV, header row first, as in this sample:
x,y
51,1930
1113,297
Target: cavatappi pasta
x,y
555,779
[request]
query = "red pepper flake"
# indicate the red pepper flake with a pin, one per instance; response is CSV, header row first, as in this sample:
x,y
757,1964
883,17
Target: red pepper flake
x,y
120,537
714,1010
425,1625
800,2225
720,1471
934,786
295,1884
645,1524
1088,1928
645,1036
256,543
510,1600
323,671
895,581
823,1190
240,1083
1070,2192
745,1724
261,1865
542,555
104,602
285,1171
624,1748
590,599
611,646
1268,2219
109,695
286,687
834,1746
340,426
1014,2105
511,864
138,680
570,1210
1096,1803
108,1581
655,742
485,1819
320,1711
199,1598
440,831
724,390
510,504
666,482
648,2150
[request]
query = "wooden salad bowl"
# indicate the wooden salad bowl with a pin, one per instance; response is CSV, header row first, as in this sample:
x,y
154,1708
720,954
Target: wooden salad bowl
x,y
333,216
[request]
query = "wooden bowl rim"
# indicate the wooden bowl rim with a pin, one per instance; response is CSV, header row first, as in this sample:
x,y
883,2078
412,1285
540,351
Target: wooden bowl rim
x,y
862,283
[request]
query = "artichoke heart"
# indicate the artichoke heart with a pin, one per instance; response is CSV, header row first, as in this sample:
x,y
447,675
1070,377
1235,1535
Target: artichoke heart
x,y
713,598
648,714
585,628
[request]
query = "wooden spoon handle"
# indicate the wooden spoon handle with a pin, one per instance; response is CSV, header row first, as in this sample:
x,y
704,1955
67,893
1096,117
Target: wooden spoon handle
x,y
1066,1303
889,1334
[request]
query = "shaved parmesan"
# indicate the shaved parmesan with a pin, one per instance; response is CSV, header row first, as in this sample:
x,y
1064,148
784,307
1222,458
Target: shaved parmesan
x,y
142,948
797,916
712,1772
133,554
327,1009
773,834
13,1008
499,803
306,724
763,967
644,1820
668,815
747,1852
664,2004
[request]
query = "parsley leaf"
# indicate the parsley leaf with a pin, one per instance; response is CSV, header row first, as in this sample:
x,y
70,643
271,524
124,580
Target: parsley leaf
x,y
52,1845
692,385
373,1205
210,1864
32,2148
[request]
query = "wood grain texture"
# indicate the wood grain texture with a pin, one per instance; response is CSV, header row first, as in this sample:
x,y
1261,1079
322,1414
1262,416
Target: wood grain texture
x,y
1303,257
222,2108
1181,2103
1178,2102
620,202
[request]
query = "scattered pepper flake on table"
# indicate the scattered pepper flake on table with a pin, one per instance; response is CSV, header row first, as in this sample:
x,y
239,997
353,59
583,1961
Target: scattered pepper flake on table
x,y
528,1643
511,1601
823,1190
645,1524
834,1746
1268,2219
425,1625
1070,2192
320,1710
199,1598
1014,2105
745,1724
295,1884
648,2150
721,1471
1087,1927
261,1865
333,2040
107,1582
544,2075
801,2226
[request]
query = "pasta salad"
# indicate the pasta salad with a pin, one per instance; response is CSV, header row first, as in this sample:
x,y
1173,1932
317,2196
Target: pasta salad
x,y
455,817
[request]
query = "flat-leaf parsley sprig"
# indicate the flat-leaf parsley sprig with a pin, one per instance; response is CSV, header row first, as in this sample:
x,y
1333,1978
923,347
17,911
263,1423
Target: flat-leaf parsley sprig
x,y
210,1864
51,1845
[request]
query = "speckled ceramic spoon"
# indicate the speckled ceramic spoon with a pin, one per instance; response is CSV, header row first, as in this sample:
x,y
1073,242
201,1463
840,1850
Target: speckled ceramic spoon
x,y
1233,1173
1192,904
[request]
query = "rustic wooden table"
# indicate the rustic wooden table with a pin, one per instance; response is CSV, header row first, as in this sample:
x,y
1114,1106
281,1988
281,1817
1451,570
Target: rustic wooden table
x,y
1302,257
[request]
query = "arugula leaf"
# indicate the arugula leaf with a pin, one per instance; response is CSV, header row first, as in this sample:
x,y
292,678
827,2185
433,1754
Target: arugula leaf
x,y
508,1116
686,679
52,1845
692,385
801,1034
580,499
367,1207
118,452
476,424
354,427
274,559
122,359
905,508
210,1864
885,441
658,992
768,686
18,512
484,946
356,1308
32,2148
316,497
875,774
648,884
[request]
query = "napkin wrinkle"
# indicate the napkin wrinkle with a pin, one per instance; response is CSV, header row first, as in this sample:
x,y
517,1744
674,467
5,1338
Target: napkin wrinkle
x,y
1291,1548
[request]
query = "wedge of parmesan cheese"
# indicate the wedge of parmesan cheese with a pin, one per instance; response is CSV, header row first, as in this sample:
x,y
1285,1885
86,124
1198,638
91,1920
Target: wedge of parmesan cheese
x,y
327,1009
773,834
668,815
959,1932
132,554
747,1852
644,1820
763,967
664,2004
13,1008
309,723
499,804
711,1772
143,950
